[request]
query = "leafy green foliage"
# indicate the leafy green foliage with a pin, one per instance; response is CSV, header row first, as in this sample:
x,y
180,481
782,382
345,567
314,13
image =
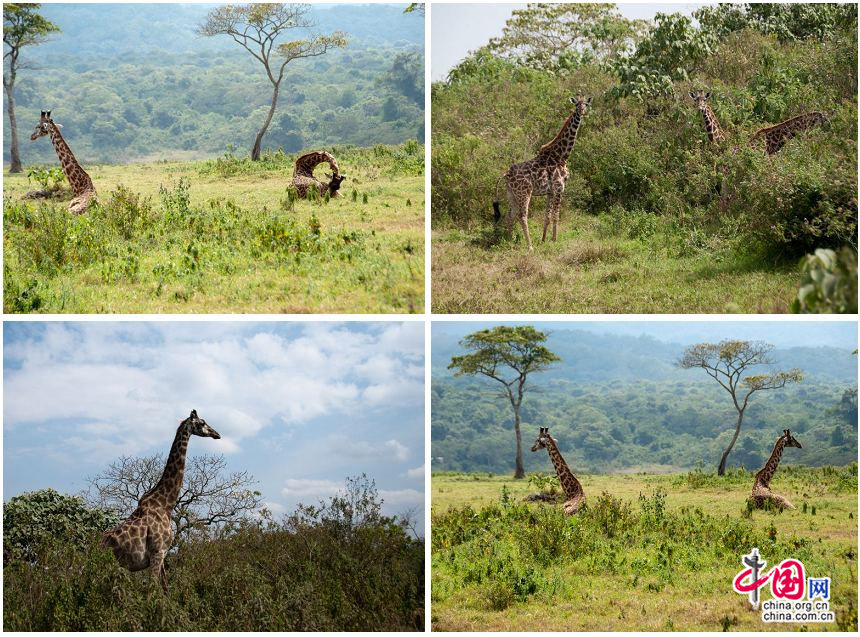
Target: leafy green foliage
x,y
49,177
38,517
829,283
338,566
642,164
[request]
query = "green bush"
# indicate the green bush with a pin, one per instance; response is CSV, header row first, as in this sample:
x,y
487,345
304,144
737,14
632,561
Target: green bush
x,y
340,566
829,283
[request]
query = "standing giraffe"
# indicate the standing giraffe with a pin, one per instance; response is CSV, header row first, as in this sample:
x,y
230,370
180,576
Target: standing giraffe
x,y
761,492
545,174
776,136
712,126
143,539
79,180
573,493
303,174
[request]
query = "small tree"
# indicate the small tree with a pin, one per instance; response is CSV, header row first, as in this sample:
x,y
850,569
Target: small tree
x,y
256,27
727,362
209,498
22,26
502,349
30,519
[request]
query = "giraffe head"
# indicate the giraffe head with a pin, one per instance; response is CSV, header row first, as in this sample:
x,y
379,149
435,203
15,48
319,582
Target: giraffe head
x,y
334,182
700,98
44,126
543,439
790,441
198,427
580,103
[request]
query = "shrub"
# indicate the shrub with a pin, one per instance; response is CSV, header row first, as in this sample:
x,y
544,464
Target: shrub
x,y
829,283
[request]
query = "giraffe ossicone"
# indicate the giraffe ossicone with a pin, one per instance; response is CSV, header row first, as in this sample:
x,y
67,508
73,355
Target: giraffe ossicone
x,y
574,495
761,493
82,186
545,174
142,540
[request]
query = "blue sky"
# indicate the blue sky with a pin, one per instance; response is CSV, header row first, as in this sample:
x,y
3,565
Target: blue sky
x,y
461,27
782,334
300,406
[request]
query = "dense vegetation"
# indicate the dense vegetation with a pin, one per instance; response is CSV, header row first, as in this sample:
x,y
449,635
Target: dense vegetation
x,y
223,235
338,566
647,553
646,189
618,403
133,82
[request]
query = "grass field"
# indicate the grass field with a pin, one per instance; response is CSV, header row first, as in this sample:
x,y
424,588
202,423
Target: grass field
x,y
223,236
659,554
595,269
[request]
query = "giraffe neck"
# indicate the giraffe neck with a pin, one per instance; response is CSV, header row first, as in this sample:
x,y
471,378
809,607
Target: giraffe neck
x,y
558,150
712,126
763,477
79,180
168,488
568,481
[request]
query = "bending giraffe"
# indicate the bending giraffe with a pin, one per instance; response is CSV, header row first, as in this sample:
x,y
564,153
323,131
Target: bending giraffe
x,y
573,493
79,180
775,137
761,492
143,539
545,174
303,174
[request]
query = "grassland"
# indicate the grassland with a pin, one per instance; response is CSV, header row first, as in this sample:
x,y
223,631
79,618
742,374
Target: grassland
x,y
659,552
594,269
222,236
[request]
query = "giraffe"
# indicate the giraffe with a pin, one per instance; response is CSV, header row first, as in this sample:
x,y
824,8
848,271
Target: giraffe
x,y
775,137
545,174
143,539
712,126
761,492
573,493
79,180
303,174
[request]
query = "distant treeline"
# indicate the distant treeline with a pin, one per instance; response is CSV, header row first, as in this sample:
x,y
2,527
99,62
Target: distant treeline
x,y
150,96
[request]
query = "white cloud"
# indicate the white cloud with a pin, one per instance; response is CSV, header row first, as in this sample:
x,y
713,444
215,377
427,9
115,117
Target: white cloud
x,y
122,388
389,450
416,474
300,487
402,497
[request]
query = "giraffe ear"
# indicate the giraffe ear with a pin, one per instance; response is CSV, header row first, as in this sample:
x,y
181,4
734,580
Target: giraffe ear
x,y
693,94
708,95
572,100
588,101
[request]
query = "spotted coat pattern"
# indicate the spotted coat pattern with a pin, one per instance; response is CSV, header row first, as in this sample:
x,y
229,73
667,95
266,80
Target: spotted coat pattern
x,y
303,174
573,492
142,541
761,492
79,180
544,174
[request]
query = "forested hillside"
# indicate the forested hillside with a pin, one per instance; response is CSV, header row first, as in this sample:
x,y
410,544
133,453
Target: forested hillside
x,y
134,82
620,402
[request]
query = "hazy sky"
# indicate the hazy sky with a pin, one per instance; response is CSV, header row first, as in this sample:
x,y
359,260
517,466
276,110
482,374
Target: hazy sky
x,y
458,28
781,334
300,406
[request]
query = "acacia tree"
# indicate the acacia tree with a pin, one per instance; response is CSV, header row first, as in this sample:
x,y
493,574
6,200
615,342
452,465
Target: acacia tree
x,y
256,27
727,362
22,26
209,498
498,352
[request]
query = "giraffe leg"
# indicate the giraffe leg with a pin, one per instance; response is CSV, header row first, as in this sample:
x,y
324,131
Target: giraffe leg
x,y
524,219
555,211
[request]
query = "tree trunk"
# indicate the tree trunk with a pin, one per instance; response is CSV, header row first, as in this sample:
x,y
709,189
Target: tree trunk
x,y
14,156
721,470
519,472
258,142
